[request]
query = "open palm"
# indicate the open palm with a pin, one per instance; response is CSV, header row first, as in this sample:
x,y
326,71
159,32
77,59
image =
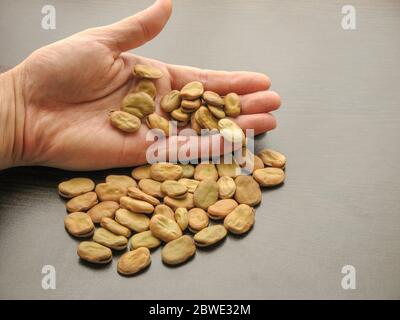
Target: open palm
x,y
71,84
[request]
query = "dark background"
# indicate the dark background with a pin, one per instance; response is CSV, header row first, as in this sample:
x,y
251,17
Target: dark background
x,y
339,126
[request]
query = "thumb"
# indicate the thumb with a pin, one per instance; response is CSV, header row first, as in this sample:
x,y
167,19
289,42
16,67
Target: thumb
x,y
136,30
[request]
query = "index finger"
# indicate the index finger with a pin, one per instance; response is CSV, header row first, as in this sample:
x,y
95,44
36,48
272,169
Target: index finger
x,y
222,82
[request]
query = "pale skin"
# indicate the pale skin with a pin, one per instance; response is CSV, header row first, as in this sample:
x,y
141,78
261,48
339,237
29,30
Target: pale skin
x,y
54,105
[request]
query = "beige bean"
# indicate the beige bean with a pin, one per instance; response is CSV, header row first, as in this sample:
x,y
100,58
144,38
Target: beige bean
x,y
103,209
142,172
272,158
146,71
178,251
82,202
94,252
240,220
138,206
186,202
247,191
144,239
134,261
165,171
197,219
110,191
151,187
109,239
79,224
269,177
75,187
135,221
114,227
164,228
138,194
181,218
221,208
226,187
210,235
164,210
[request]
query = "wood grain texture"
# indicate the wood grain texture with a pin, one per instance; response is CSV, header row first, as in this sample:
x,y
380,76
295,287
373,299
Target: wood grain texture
x,y
339,126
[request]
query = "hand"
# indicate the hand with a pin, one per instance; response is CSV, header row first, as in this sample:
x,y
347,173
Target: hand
x,y
70,85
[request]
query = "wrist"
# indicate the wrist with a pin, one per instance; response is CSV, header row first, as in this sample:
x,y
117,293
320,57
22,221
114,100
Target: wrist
x,y
12,117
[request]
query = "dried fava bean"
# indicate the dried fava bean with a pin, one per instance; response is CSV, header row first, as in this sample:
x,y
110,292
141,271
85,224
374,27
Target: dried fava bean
x,y
155,121
179,115
165,171
221,208
191,184
124,121
146,71
138,206
232,105
171,101
210,235
174,189
206,194
75,187
178,251
151,187
192,90
194,124
228,167
164,228
135,221
79,224
217,112
189,106
140,104
205,171
114,227
181,218
142,172
186,202
132,262
231,131
213,98
146,85
272,158
226,187
205,119
103,209
164,210
110,191
144,239
123,181
82,202
109,239
138,194
269,177
94,252
240,220
187,170
197,219
247,191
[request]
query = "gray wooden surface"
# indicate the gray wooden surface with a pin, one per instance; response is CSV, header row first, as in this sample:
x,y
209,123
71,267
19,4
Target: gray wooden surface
x,y
339,125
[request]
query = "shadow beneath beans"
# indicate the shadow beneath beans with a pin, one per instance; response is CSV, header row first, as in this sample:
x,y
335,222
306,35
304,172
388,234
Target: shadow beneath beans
x,y
95,266
212,247
79,239
238,237
179,265
118,253
143,271
268,189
